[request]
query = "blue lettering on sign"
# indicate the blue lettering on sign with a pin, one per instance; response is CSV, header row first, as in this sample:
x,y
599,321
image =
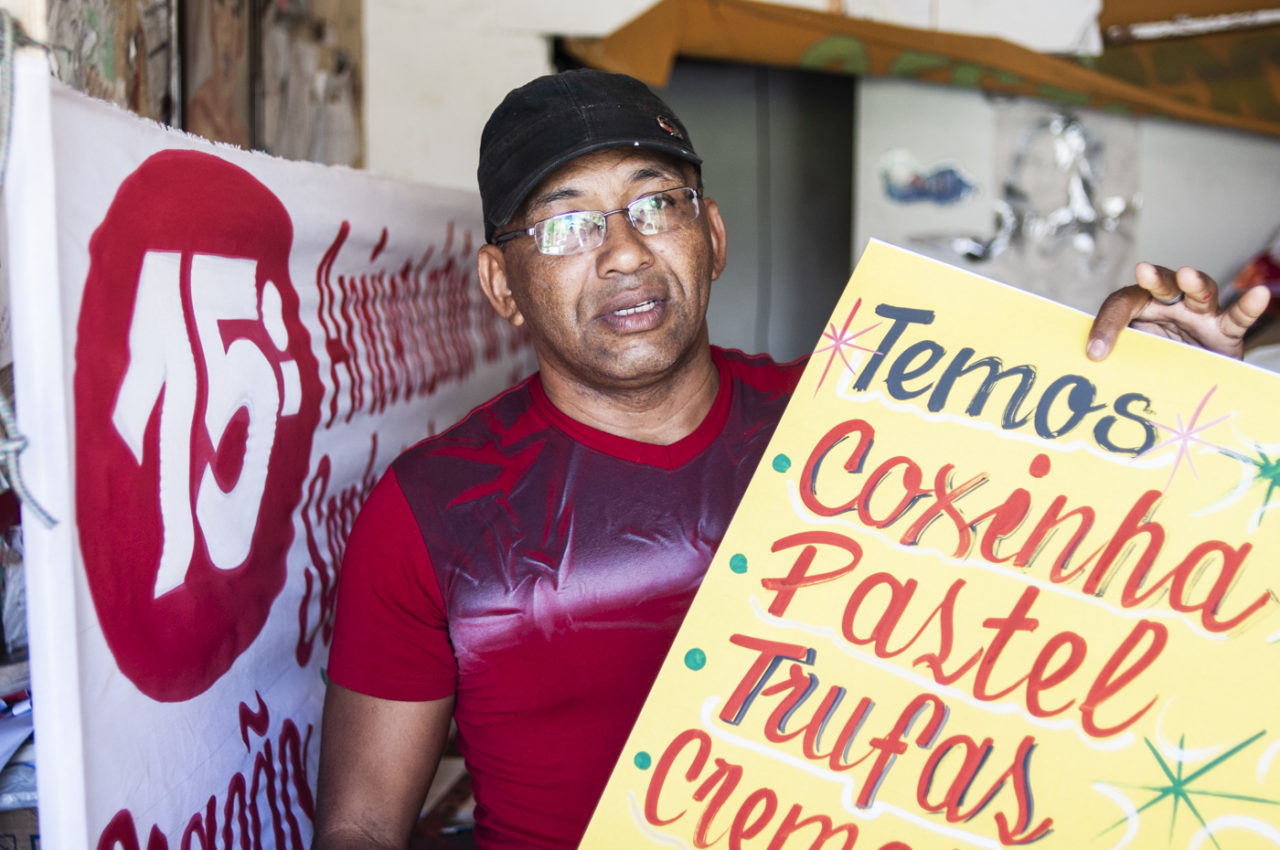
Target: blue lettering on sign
x,y
965,382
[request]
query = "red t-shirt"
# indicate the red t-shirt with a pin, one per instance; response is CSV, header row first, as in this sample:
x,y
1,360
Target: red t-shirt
x,y
539,569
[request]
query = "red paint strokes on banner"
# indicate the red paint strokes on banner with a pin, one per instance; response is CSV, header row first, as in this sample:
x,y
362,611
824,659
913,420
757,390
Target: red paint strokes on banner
x,y
270,802
402,361
379,348
367,330
331,319
196,398
330,518
397,333
257,721
121,832
416,316
382,244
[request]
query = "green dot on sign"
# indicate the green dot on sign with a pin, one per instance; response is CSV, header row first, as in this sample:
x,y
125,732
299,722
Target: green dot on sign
x,y
643,761
781,463
695,659
738,563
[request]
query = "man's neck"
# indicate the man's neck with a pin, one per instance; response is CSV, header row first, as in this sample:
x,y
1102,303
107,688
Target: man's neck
x,y
661,413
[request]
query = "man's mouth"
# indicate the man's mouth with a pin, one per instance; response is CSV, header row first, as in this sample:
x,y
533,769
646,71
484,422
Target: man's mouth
x,y
639,308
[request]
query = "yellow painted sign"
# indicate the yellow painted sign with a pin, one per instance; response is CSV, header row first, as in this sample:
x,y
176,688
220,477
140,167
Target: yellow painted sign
x,y
981,592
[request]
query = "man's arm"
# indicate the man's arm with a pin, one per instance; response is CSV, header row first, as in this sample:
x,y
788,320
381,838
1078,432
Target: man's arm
x,y
377,758
1194,317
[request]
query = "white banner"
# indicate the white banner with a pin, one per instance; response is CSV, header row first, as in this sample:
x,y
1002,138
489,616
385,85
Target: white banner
x,y
216,354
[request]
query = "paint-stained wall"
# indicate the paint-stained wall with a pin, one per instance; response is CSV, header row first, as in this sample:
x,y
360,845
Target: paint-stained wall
x,y
118,50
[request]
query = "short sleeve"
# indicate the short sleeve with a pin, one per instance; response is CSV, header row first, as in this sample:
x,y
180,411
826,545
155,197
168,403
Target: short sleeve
x,y
390,634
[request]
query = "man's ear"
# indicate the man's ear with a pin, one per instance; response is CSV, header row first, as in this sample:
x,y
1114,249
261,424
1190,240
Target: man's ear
x,y
491,267
718,245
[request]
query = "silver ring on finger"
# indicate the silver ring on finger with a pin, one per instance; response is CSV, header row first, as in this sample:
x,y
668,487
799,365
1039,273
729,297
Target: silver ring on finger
x,y
1174,300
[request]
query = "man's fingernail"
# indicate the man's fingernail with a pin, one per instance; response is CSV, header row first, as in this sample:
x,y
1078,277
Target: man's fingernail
x,y
1096,350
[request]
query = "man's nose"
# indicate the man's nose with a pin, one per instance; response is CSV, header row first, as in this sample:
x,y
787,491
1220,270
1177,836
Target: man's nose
x,y
625,249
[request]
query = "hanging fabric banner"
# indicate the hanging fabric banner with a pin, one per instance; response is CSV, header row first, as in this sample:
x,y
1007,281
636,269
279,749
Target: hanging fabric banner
x,y
1222,82
982,592
217,353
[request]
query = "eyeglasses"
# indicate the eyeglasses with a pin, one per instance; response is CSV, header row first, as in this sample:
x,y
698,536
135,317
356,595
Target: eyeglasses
x,y
575,232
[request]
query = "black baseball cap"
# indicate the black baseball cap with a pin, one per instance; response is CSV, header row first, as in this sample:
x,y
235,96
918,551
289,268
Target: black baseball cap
x,y
547,122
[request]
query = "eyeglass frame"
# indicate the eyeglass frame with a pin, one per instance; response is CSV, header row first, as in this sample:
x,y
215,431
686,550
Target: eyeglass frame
x,y
503,238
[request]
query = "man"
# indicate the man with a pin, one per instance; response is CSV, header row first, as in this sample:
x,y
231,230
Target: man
x,y
525,572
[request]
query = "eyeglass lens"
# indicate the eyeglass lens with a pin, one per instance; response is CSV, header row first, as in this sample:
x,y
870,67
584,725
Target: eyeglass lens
x,y
574,232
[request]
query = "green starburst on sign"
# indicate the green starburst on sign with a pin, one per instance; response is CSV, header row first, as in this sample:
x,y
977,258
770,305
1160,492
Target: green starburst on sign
x,y
1179,790
1268,471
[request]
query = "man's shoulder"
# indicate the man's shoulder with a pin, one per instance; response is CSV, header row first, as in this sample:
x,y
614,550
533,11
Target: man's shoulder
x,y
760,371
490,424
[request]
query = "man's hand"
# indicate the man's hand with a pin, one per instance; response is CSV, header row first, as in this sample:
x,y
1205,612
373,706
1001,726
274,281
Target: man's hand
x,y
1181,305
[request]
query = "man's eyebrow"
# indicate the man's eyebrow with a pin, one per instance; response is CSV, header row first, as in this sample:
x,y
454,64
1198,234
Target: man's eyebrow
x,y
655,172
548,198
642,174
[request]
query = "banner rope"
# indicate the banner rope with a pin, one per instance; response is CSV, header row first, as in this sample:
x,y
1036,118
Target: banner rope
x,y
12,36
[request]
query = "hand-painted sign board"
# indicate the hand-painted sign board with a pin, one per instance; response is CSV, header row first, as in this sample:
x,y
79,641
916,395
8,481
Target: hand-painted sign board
x,y
981,592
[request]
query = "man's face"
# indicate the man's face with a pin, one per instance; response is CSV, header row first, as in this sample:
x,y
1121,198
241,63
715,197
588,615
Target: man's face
x,y
623,315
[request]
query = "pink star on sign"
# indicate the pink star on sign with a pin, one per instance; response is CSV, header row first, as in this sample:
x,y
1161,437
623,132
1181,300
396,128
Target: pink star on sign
x,y
842,340
1185,435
